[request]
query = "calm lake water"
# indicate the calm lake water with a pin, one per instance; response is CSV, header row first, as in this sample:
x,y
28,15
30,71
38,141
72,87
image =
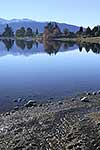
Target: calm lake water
x,y
45,70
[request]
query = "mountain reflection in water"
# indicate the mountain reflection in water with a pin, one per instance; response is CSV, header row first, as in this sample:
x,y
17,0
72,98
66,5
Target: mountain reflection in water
x,y
73,68
22,47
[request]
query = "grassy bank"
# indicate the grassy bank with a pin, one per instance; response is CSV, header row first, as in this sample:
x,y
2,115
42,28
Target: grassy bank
x,y
71,124
40,38
80,40
22,38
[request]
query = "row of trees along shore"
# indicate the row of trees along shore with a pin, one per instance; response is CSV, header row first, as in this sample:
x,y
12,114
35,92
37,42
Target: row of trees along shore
x,y
85,32
88,32
53,29
22,32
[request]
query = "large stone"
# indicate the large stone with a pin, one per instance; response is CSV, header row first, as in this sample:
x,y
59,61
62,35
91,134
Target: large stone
x,y
18,100
84,99
31,103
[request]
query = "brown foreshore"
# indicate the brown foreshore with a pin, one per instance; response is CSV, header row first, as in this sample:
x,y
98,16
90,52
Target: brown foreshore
x,y
71,124
95,40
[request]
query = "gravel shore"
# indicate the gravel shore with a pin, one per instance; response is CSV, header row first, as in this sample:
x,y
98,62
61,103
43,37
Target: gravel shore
x,y
71,124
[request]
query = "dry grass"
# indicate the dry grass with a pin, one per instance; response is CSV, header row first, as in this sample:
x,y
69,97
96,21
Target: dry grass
x,y
81,39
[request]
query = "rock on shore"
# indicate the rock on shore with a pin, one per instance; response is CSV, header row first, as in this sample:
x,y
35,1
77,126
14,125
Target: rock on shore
x,y
67,125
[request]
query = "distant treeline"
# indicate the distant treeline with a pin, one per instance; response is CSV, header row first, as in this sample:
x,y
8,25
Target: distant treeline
x,y
22,32
52,30
88,32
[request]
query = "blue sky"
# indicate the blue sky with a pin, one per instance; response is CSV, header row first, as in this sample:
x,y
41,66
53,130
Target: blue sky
x,y
77,12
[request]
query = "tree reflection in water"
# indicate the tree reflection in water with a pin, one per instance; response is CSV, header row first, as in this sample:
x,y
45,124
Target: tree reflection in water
x,y
90,46
21,44
68,44
51,47
8,43
29,44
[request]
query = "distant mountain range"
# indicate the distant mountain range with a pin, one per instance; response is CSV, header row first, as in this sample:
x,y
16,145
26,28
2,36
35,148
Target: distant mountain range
x,y
17,23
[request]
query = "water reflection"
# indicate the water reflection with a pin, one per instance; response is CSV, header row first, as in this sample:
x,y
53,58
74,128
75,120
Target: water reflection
x,y
68,44
25,44
42,76
90,46
49,47
8,43
21,44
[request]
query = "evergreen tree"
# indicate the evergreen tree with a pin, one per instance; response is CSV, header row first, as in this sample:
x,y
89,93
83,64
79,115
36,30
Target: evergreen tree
x,y
8,32
65,31
21,44
81,29
20,32
95,31
88,31
37,32
80,32
29,32
8,43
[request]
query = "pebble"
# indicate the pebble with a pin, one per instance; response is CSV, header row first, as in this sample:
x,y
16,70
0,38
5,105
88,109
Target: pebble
x,y
93,142
98,124
94,93
7,113
60,102
73,99
70,146
15,100
51,98
19,99
69,135
98,148
78,148
88,93
96,145
40,105
98,92
16,108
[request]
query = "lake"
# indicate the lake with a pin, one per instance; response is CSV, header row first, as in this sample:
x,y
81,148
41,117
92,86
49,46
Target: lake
x,y
46,70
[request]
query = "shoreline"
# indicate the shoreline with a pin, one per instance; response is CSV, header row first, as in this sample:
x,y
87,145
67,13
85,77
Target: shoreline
x,y
37,39
73,123
95,40
90,40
